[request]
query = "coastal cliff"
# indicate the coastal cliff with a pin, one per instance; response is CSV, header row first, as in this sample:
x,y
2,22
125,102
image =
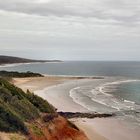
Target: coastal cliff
x,y
25,116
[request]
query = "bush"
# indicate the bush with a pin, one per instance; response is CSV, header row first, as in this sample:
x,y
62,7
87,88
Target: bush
x,y
19,74
16,107
40,103
9,122
15,99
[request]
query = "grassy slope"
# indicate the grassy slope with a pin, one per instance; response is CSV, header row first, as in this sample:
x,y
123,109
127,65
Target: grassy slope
x,y
17,107
26,116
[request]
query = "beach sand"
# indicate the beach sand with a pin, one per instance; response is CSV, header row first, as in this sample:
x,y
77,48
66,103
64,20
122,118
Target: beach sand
x,y
56,89
110,128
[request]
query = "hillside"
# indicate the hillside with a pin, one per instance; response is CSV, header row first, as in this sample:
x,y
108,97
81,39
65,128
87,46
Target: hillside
x,y
11,60
25,116
17,106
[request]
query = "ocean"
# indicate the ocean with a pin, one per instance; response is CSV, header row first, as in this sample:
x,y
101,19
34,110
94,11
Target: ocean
x,y
84,68
119,93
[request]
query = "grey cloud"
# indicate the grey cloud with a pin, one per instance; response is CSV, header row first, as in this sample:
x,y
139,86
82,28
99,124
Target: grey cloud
x,y
120,10
71,29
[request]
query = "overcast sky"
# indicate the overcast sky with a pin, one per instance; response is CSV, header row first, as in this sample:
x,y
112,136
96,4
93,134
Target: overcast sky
x,y
70,29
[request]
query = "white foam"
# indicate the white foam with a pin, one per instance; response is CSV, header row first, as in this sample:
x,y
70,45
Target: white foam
x,y
101,90
102,87
10,65
75,98
121,81
18,64
100,96
128,101
111,101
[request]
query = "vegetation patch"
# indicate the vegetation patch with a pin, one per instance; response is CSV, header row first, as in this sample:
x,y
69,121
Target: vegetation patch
x,y
36,130
18,107
16,136
9,121
19,74
40,103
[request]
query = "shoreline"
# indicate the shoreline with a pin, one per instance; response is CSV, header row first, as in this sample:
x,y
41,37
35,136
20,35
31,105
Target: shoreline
x,y
18,64
56,91
27,63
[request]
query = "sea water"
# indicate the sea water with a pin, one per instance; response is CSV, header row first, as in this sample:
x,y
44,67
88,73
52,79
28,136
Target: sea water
x,y
120,95
85,68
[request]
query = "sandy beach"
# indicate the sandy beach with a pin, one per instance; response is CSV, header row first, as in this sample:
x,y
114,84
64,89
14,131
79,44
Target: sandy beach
x,y
56,89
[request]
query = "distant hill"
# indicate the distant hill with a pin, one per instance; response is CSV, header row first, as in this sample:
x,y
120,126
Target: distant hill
x,y
11,60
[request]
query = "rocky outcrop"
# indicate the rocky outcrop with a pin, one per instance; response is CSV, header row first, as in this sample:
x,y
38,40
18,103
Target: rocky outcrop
x,y
70,115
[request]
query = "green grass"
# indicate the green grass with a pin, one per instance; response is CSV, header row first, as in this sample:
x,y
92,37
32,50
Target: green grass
x,y
17,107
9,121
40,103
16,136
36,130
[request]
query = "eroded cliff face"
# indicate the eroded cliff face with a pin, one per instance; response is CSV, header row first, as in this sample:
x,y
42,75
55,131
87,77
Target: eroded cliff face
x,y
57,128
25,116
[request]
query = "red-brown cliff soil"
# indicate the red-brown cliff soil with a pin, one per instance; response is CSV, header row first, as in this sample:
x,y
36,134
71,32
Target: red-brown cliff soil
x,y
55,128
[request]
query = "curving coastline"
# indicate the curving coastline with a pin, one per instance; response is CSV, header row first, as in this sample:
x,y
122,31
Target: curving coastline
x,y
56,90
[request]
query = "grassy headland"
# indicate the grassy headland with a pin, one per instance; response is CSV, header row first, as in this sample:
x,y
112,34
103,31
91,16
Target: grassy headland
x,y
27,116
12,60
17,107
